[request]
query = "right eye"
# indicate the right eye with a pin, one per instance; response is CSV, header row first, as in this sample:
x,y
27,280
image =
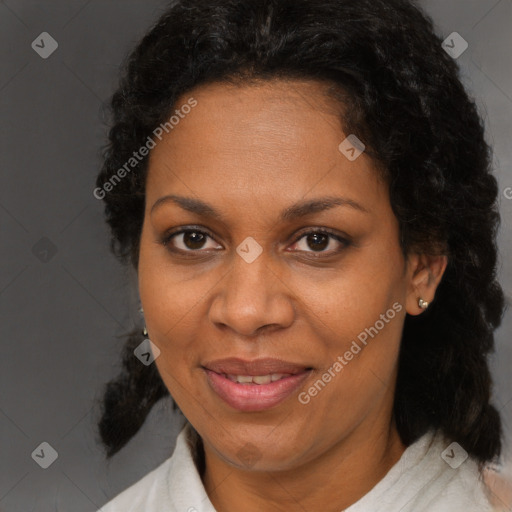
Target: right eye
x,y
187,240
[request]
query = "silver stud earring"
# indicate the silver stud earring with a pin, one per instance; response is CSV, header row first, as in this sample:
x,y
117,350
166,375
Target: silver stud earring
x,y
423,304
144,331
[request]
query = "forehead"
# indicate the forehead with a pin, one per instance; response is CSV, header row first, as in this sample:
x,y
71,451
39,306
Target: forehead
x,y
258,140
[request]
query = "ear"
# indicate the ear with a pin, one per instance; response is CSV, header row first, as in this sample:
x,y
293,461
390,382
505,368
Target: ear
x,y
424,274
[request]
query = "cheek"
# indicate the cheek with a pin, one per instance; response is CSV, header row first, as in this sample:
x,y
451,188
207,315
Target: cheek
x,y
171,297
171,306
359,350
359,312
355,295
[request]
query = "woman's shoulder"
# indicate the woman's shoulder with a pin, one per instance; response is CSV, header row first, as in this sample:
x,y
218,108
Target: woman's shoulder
x,y
433,475
175,485
144,494
448,479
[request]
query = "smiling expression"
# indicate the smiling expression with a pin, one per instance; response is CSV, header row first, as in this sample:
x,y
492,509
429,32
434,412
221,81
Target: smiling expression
x,y
258,168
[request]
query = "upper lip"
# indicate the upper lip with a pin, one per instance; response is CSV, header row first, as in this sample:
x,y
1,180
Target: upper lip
x,y
264,366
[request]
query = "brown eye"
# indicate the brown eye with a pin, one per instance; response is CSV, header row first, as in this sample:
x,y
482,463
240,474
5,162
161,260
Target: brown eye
x,y
193,239
320,240
317,241
189,240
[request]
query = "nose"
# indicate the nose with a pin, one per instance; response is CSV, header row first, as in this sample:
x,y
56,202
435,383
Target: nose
x,y
252,298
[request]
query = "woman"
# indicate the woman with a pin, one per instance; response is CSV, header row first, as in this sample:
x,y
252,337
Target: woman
x,y
304,190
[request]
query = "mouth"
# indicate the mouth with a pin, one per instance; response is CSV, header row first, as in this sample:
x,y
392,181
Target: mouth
x,y
257,385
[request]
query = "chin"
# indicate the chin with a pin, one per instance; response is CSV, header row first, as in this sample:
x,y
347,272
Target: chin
x,y
258,452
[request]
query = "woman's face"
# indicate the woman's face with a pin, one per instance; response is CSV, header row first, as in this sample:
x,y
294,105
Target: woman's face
x,y
249,289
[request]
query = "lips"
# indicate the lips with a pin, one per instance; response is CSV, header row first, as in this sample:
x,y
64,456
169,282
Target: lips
x,y
254,385
268,366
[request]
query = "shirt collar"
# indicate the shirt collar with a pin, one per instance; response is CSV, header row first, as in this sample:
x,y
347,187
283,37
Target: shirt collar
x,y
185,487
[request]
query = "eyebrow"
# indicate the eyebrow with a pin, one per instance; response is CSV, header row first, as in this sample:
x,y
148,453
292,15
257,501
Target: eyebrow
x,y
297,210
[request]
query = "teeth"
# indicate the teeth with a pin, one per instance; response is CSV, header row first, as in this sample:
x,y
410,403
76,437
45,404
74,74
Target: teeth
x,y
256,379
262,379
244,379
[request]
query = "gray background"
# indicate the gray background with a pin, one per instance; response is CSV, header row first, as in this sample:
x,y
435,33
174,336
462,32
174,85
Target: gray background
x,y
65,301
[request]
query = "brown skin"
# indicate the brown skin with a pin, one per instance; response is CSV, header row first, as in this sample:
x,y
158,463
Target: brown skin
x,y
251,152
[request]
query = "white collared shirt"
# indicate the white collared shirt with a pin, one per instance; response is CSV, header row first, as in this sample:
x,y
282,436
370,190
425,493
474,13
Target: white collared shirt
x,y
421,481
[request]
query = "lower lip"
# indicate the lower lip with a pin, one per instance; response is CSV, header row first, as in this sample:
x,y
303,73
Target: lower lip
x,y
254,397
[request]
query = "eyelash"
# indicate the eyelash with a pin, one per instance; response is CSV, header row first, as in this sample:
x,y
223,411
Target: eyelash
x,y
167,237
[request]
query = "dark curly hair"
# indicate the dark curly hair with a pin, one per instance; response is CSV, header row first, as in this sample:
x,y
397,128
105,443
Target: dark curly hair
x,y
402,95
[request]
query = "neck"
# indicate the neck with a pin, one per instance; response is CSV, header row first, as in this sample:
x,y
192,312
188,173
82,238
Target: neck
x,y
331,482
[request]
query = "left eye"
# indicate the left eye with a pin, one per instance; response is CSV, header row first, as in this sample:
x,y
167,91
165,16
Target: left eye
x,y
318,241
